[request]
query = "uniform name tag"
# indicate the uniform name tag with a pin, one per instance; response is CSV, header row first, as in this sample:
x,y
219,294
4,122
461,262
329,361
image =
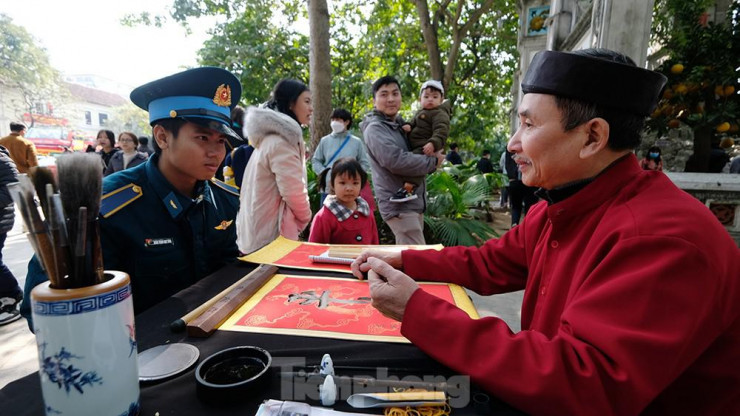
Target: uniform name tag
x,y
153,242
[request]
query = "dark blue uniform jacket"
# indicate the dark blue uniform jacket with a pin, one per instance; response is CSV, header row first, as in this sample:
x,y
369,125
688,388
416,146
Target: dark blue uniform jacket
x,y
164,240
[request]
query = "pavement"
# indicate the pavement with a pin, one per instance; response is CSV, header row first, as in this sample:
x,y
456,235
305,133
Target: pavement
x,y
18,352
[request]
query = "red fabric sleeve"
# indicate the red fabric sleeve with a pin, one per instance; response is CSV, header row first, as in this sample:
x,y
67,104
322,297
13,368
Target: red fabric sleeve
x,y
499,266
321,227
622,337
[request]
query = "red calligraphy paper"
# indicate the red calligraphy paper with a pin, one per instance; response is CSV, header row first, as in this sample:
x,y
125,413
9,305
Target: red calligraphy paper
x,y
325,307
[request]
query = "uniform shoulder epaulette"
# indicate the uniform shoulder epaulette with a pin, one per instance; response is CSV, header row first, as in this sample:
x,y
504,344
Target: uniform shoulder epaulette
x,y
225,186
114,201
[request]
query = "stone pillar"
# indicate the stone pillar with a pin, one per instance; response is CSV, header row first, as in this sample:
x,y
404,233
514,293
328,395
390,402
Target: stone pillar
x,y
623,26
529,45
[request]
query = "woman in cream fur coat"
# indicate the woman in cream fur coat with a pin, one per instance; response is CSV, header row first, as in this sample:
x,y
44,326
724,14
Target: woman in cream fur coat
x,y
273,196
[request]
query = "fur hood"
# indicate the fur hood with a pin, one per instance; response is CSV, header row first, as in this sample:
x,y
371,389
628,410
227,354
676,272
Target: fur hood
x,y
261,122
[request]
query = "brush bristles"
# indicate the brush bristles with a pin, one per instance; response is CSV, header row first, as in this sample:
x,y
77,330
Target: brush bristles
x,y
42,176
80,182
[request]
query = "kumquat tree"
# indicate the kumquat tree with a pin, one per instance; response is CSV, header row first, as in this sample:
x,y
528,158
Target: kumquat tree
x,y
702,70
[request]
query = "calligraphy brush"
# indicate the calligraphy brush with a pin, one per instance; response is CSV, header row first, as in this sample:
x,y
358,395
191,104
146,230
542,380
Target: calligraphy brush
x,y
80,185
16,194
37,228
59,239
78,262
42,176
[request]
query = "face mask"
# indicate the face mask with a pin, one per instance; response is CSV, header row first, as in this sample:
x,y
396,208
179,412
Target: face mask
x,y
654,155
337,126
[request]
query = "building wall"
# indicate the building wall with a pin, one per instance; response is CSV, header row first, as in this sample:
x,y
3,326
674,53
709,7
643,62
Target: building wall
x,y
620,25
71,108
11,107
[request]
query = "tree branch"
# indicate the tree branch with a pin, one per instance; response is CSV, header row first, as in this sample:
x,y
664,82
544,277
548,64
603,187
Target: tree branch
x,y
476,15
431,41
459,33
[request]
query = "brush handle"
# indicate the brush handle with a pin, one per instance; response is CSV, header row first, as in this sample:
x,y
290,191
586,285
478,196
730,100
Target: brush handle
x,y
93,254
39,238
78,278
17,195
58,231
97,252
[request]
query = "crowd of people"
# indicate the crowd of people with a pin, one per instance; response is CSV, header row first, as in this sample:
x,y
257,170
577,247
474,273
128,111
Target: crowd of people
x,y
630,284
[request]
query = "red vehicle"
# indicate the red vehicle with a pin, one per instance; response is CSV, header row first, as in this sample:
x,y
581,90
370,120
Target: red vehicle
x,y
50,139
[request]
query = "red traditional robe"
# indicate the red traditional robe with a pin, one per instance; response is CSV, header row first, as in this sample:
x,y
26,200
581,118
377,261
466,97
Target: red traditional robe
x,y
632,304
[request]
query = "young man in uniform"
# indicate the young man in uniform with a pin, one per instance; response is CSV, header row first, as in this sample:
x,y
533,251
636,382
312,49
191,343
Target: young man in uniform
x,y
631,285
166,222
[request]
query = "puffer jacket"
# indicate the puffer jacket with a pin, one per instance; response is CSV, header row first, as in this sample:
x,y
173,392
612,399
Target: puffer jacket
x,y
116,162
273,198
8,175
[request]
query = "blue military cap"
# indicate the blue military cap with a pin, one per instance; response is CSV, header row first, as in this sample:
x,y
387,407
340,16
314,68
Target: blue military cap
x,y
204,96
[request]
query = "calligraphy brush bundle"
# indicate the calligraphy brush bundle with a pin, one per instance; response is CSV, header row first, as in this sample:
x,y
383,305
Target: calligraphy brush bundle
x,y
80,187
65,233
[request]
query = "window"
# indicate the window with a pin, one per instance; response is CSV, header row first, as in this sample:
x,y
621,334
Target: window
x,y
88,118
102,118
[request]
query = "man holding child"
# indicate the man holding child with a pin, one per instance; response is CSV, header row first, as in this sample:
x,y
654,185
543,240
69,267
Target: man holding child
x,y
392,161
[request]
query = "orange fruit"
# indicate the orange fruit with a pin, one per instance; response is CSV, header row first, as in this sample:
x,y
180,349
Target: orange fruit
x,y
681,89
674,123
729,90
677,69
721,128
719,90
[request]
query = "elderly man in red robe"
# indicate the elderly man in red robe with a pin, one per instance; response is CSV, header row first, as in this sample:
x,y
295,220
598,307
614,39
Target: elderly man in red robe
x,y
632,287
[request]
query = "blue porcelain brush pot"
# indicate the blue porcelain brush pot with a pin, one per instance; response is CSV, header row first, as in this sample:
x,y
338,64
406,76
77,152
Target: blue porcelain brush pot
x,y
87,348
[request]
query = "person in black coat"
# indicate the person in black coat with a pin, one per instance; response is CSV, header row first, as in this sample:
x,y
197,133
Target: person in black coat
x,y
521,196
454,157
128,156
484,164
10,292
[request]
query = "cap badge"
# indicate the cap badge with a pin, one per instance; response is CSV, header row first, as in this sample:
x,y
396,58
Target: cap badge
x,y
173,113
222,98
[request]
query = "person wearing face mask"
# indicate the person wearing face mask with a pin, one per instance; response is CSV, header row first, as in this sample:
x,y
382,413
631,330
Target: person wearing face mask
x,y
652,160
340,143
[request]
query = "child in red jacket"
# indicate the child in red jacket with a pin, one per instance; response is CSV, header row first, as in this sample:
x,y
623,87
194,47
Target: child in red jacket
x,y
345,217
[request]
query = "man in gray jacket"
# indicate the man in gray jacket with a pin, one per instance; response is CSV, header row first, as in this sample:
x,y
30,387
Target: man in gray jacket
x,y
391,161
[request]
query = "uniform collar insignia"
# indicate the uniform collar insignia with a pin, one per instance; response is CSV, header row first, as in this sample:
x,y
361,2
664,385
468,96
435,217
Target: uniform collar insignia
x,y
173,205
222,98
224,225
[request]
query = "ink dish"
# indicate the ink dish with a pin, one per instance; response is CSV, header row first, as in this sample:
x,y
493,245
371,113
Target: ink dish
x,y
228,375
